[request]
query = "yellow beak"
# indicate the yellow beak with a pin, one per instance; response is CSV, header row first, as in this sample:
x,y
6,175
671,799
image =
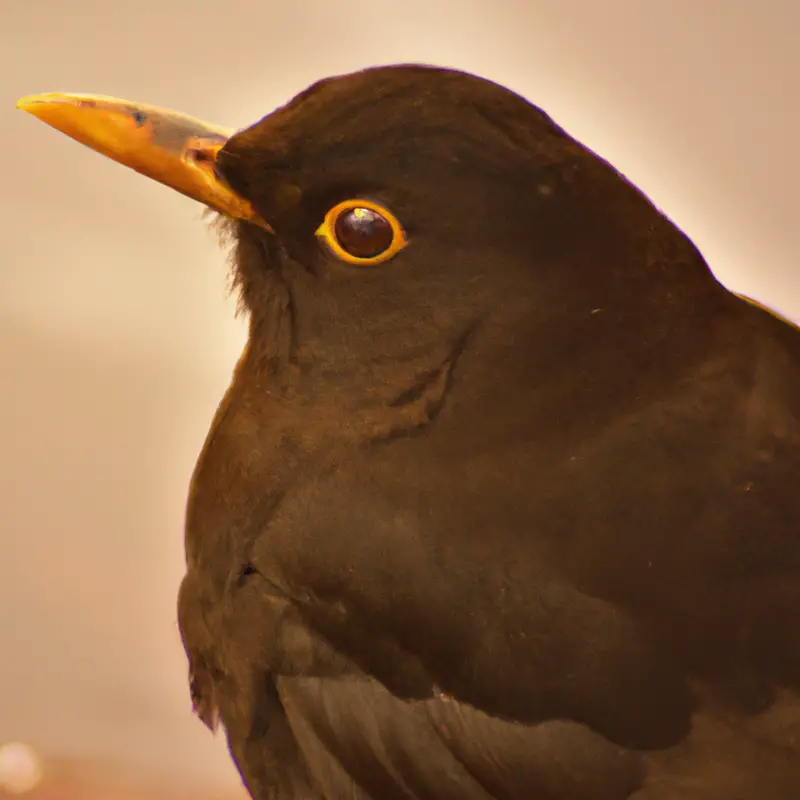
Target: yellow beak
x,y
167,146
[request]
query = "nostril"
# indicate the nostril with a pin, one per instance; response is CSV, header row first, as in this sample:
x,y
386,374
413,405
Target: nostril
x,y
199,156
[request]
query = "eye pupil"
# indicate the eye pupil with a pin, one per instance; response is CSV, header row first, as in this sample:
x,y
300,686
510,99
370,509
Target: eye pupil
x,y
363,232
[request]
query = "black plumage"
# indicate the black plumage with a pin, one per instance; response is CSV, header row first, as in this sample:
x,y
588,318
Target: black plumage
x,y
511,514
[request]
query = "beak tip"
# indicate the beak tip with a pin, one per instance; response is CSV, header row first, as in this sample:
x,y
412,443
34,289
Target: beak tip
x,y
25,103
33,103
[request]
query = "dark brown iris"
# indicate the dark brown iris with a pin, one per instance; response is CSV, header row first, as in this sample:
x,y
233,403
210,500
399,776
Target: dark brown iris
x,y
363,233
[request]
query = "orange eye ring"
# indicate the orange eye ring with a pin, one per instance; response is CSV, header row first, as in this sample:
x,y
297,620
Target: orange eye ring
x,y
362,232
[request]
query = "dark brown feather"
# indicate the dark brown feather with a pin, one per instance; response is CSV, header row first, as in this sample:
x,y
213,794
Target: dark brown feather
x,y
511,515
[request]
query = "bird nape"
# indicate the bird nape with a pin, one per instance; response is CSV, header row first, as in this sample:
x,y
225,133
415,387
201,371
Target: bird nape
x,y
501,500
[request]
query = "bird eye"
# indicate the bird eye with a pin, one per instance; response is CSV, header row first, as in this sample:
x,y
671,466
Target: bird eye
x,y
362,232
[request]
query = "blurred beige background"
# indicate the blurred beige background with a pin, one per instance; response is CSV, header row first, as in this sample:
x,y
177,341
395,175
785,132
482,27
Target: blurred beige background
x,y
117,337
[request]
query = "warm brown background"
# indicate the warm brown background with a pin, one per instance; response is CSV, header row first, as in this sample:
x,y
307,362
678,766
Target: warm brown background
x,y
117,338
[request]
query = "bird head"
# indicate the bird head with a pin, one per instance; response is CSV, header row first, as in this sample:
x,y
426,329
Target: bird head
x,y
389,215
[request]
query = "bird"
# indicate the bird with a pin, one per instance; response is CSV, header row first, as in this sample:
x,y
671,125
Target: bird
x,y
501,501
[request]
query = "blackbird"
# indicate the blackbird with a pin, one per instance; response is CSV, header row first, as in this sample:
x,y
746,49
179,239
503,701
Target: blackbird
x,y
502,499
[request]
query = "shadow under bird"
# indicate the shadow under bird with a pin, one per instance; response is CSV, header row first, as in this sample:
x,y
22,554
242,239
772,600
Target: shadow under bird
x,y
502,501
